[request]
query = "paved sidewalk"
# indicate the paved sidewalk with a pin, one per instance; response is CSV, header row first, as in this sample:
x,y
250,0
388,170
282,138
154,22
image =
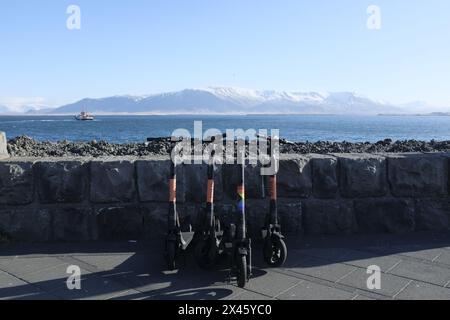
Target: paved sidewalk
x,y
413,267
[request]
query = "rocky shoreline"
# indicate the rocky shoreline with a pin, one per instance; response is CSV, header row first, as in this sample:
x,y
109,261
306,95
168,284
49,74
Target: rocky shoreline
x,y
24,146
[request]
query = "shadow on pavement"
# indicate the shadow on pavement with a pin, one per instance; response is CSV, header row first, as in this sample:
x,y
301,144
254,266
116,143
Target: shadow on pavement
x,y
341,249
140,276
135,270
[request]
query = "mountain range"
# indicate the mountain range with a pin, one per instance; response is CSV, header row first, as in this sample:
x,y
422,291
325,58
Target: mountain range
x,y
226,100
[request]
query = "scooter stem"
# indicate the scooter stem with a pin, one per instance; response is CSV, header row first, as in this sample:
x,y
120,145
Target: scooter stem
x,y
210,190
241,205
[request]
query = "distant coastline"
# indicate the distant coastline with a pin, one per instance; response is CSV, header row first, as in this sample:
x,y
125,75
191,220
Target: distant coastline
x,y
431,114
118,114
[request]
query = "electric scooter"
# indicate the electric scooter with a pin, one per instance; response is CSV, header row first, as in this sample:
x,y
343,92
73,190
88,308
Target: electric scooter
x,y
275,249
209,233
238,244
176,240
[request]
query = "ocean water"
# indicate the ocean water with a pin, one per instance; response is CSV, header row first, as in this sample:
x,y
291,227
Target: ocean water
x,y
312,128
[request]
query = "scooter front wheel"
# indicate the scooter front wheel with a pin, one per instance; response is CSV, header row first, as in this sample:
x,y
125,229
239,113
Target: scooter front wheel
x,y
275,252
241,271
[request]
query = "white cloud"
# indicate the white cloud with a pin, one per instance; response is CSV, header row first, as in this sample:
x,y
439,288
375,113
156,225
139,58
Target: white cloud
x,y
20,104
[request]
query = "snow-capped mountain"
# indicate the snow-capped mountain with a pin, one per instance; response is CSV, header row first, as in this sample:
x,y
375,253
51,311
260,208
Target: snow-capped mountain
x,y
4,109
226,100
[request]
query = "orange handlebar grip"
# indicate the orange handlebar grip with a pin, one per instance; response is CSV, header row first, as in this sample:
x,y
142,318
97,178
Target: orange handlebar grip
x,y
273,188
210,192
173,190
241,191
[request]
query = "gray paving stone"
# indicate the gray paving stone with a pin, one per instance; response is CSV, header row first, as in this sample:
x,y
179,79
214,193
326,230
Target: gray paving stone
x,y
129,295
313,272
390,284
321,269
428,254
23,266
50,279
13,288
366,259
121,263
424,291
93,287
329,254
312,291
248,295
423,272
444,258
272,284
202,293
361,297
105,261
38,296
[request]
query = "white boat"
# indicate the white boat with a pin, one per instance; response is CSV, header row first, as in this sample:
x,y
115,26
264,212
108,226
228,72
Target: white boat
x,y
84,116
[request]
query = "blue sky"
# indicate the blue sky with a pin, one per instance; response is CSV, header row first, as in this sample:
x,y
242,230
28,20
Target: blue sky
x,y
150,46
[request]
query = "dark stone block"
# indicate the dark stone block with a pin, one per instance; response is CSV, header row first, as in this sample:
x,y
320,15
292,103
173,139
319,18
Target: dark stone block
x,y
120,223
26,225
290,214
385,215
362,176
155,220
294,177
418,175
16,183
253,181
256,211
72,224
325,180
153,181
332,217
112,181
62,181
433,215
156,217
196,179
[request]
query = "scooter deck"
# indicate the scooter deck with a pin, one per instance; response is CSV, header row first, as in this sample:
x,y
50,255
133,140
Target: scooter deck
x,y
187,239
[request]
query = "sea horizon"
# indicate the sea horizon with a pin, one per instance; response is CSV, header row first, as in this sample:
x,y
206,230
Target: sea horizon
x,y
299,128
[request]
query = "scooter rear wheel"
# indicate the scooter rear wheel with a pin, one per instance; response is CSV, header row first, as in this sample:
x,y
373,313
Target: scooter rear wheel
x,y
241,271
275,252
171,252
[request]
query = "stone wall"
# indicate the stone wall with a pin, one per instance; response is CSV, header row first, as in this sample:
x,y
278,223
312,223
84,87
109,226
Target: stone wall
x,y
126,198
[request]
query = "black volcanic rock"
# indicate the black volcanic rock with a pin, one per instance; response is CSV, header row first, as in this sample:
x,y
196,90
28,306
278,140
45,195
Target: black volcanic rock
x,y
24,146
